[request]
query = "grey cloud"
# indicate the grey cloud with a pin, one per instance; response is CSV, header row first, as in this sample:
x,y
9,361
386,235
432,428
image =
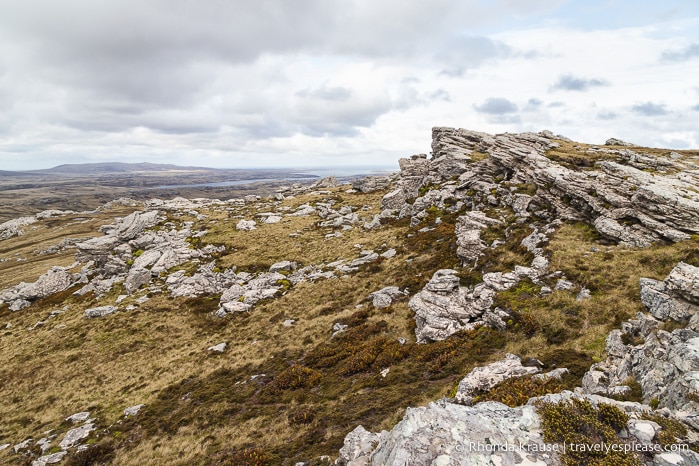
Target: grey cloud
x,y
496,106
689,52
650,109
533,105
467,53
696,108
556,104
569,82
607,116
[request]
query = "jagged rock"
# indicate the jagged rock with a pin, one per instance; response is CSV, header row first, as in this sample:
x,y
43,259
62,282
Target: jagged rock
x,y
100,311
137,277
664,364
133,410
14,227
384,297
468,228
357,447
133,224
619,196
78,417
583,294
370,184
389,253
684,281
484,378
443,307
19,304
446,433
616,142
327,182
49,459
563,285
272,219
283,265
74,436
220,348
246,225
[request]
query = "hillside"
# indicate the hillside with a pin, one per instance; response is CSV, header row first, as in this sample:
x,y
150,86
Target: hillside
x,y
558,278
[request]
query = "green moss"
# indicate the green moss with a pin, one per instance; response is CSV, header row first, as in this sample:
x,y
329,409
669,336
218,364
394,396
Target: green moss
x,y
517,391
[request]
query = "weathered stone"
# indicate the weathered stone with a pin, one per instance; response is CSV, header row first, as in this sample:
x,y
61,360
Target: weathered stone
x,y
133,410
384,297
246,225
132,225
137,277
220,348
486,377
74,436
49,459
357,447
441,433
14,227
100,311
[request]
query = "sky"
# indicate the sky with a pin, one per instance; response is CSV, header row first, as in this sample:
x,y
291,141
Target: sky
x,y
308,83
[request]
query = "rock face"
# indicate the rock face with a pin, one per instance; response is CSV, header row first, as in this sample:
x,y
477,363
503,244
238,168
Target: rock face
x,y
665,364
14,227
629,197
446,433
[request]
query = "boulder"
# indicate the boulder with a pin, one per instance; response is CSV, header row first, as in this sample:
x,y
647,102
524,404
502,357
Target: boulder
x,y
484,378
246,225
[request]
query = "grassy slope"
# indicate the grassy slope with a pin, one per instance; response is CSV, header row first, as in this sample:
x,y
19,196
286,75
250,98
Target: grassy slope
x,y
204,408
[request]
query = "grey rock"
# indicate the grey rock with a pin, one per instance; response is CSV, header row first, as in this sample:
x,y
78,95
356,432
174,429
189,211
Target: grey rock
x,y
389,253
133,410
357,447
442,433
384,297
100,311
74,436
564,285
287,266
616,142
134,224
78,417
14,227
246,225
220,348
583,294
137,277
684,281
338,328
370,184
484,378
468,228
49,459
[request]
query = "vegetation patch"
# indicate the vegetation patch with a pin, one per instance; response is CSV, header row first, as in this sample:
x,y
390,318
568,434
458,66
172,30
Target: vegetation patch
x,y
578,422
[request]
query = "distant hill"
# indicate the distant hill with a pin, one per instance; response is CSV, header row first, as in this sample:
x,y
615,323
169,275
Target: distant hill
x,y
114,167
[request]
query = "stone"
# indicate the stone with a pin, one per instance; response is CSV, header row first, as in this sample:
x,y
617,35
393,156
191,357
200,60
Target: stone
x,y
100,311
133,410
134,224
484,378
137,277
563,285
384,297
49,459
338,328
246,225
684,281
389,253
369,184
642,430
14,227
616,142
357,447
74,436
583,294
220,348
442,434
287,266
78,417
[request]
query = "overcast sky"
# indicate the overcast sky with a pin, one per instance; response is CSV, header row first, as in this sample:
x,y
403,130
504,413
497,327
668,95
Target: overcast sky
x,y
233,83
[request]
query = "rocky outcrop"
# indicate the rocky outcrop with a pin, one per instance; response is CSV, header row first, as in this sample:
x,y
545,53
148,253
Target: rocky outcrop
x,y
629,197
665,364
447,433
55,280
14,227
484,378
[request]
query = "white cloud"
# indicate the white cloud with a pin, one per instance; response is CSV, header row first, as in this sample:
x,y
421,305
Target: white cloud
x,y
326,82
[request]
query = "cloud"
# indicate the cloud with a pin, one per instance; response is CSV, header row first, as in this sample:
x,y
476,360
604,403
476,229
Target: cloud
x,y
607,116
569,82
689,52
533,105
650,109
496,106
696,108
